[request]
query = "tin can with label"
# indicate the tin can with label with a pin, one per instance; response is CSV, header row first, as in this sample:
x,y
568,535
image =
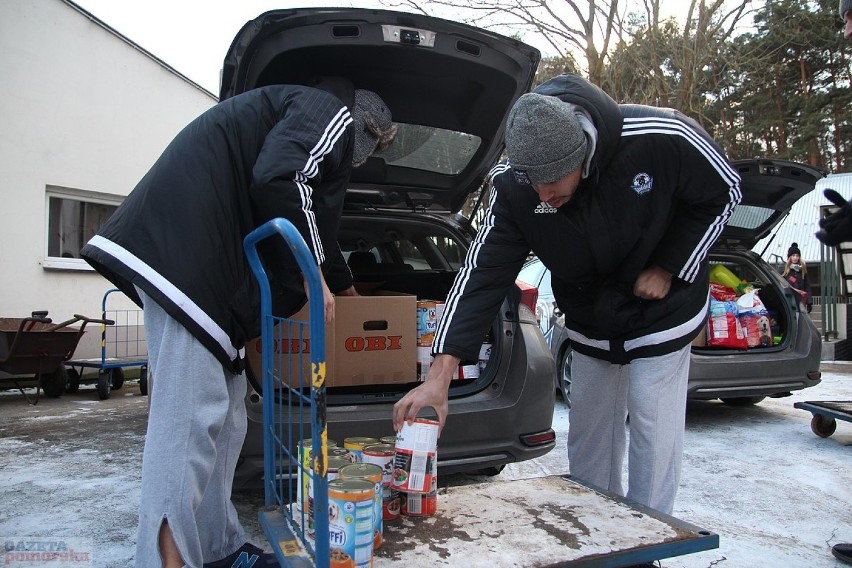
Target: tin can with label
x,y
383,455
372,473
422,504
469,371
350,522
388,440
424,361
427,322
355,444
305,456
416,456
334,465
341,453
419,504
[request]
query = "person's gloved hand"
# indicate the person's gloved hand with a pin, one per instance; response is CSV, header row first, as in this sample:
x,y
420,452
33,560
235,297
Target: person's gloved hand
x,y
837,227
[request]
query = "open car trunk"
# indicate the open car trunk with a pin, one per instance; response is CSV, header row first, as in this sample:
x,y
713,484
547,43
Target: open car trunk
x,y
395,254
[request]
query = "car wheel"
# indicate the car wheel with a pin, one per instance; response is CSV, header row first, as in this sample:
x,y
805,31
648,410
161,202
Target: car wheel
x,y
743,400
72,381
823,426
103,384
565,375
53,384
116,377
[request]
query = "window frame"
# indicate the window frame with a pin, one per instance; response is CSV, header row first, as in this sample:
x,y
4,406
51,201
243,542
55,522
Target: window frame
x,y
58,192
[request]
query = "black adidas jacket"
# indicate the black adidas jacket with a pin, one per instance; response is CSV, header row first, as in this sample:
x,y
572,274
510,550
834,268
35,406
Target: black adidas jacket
x,y
658,193
277,151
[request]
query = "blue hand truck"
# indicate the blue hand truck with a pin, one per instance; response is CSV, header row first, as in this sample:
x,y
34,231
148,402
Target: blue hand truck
x,y
288,395
123,345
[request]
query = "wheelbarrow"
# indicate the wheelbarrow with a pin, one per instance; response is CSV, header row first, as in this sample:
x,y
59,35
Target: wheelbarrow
x,y
37,346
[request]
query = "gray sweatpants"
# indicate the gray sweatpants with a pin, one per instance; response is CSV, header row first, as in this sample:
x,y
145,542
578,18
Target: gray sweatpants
x,y
196,428
653,392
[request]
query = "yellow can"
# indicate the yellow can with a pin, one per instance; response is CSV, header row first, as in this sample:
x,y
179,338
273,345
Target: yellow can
x,y
356,444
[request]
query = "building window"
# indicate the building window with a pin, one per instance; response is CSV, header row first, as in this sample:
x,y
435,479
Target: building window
x,y
72,219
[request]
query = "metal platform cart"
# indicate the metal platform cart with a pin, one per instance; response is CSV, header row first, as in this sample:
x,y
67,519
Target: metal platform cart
x,y
122,345
826,413
36,346
289,396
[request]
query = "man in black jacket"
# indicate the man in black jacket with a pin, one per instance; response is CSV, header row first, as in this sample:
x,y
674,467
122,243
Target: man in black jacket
x,y
175,247
622,204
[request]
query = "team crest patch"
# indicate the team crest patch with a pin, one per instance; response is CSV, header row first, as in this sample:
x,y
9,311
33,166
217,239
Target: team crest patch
x,y
521,176
642,183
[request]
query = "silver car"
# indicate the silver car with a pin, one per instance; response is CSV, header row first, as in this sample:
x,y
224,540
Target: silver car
x,y
449,87
736,376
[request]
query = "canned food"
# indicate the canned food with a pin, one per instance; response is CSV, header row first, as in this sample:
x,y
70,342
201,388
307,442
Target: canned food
x,y
388,440
334,465
416,456
422,504
419,504
356,444
341,453
350,522
427,322
372,473
424,362
305,456
382,455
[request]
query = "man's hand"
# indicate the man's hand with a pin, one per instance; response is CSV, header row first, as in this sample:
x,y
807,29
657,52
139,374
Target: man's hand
x,y
837,227
652,284
327,298
433,393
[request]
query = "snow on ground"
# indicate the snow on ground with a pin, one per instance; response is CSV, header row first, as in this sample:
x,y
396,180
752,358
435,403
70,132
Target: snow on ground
x,y
776,494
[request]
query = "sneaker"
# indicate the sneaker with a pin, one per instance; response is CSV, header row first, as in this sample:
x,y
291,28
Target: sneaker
x,y
843,551
248,556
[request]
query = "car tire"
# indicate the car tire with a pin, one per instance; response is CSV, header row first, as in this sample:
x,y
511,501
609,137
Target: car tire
x,y
72,381
564,375
743,400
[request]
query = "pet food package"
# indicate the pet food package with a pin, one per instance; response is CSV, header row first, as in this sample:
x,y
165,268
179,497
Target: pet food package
x,y
723,327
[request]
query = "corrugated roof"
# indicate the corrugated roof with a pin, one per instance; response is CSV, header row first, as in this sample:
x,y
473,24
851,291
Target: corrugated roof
x,y
803,222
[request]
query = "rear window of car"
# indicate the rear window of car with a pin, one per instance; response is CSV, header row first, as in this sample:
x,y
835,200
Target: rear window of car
x,y
431,149
749,216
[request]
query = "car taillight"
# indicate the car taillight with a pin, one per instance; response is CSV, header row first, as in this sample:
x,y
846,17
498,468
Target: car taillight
x,y
539,438
529,295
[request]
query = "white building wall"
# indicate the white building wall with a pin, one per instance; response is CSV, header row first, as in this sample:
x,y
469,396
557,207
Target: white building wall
x,y
84,109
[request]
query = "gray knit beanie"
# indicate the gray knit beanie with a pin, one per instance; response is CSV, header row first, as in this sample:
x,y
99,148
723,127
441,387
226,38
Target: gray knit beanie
x,y
371,123
544,139
845,6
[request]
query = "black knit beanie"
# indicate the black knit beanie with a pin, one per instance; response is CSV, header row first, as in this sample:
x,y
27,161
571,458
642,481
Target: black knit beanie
x,y
794,248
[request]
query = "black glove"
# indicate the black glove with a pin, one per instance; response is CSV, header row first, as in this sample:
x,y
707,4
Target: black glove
x,y
837,227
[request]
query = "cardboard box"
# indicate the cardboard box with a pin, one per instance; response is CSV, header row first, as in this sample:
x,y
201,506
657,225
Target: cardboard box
x,y
373,341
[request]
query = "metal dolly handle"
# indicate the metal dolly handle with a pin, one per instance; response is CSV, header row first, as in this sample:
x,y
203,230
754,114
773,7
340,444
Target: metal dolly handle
x,y
305,259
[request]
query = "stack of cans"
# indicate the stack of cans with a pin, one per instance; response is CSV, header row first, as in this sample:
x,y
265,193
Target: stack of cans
x,y
415,473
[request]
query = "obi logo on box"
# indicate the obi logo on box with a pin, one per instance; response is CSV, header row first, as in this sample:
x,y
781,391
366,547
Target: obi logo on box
x,y
376,343
351,344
